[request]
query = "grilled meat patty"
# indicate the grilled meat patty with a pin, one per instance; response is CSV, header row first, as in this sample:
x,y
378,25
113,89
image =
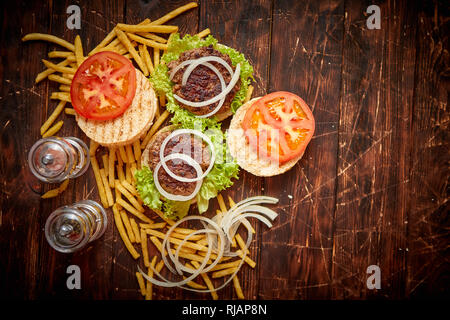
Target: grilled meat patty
x,y
185,144
203,83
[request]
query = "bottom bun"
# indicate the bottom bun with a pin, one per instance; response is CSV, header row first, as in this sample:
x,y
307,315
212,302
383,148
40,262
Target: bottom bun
x,y
244,154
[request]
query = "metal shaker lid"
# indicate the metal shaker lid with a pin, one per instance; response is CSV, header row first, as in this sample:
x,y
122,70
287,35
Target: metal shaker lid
x,y
67,230
49,159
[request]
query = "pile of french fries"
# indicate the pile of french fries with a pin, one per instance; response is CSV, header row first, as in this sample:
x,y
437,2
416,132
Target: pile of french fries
x,y
114,173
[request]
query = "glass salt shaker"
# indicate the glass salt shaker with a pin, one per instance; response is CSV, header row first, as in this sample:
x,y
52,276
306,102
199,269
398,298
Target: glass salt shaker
x,y
55,159
70,228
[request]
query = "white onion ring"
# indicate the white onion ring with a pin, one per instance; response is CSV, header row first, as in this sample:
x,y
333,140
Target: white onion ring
x,y
195,63
176,197
196,133
239,213
221,95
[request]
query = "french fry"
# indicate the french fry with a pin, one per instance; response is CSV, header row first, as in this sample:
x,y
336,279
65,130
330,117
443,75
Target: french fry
x,y
155,57
158,225
129,196
144,248
129,187
70,111
49,38
147,59
68,76
50,193
174,13
105,160
157,243
123,234
129,151
177,241
126,42
111,162
241,243
137,150
207,281
222,205
119,158
141,283
93,148
247,259
58,68
123,154
128,177
146,28
193,284
182,236
226,265
53,130
78,50
161,215
203,33
64,88
153,37
53,117
249,94
44,74
109,196
127,225
147,42
60,54
98,179
137,233
132,210
63,96
111,35
237,288
59,79
149,291
63,186
154,128
224,272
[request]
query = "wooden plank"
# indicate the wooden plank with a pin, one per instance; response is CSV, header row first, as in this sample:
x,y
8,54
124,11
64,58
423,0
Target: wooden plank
x,y
95,261
374,145
428,223
22,107
245,27
306,60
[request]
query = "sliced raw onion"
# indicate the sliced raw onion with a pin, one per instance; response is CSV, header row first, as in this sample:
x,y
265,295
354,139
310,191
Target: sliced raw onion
x,y
222,229
191,162
202,61
164,159
221,95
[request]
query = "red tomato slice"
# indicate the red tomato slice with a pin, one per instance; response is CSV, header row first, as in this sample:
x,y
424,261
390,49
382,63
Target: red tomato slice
x,y
103,86
279,126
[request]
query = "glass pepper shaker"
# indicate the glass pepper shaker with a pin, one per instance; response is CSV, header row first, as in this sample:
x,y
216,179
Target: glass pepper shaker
x,y
70,228
55,159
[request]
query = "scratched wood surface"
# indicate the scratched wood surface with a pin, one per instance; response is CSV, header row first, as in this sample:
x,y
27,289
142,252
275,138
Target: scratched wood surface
x,y
371,189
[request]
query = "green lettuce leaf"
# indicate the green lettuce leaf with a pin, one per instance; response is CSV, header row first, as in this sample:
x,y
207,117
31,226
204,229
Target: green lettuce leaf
x,y
145,185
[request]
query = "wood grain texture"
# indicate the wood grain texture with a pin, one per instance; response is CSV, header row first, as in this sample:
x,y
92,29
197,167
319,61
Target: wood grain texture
x,y
372,177
305,59
371,189
428,221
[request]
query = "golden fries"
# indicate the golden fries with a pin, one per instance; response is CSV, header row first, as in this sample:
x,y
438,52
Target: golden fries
x,y
175,13
123,234
53,130
78,51
52,117
237,288
154,128
203,33
49,38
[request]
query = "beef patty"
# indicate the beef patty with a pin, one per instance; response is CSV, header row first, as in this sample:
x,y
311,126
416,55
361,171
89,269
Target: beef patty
x,y
203,83
186,144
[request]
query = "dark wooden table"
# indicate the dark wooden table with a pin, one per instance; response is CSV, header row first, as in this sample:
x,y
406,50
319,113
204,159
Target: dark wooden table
x,y
372,188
